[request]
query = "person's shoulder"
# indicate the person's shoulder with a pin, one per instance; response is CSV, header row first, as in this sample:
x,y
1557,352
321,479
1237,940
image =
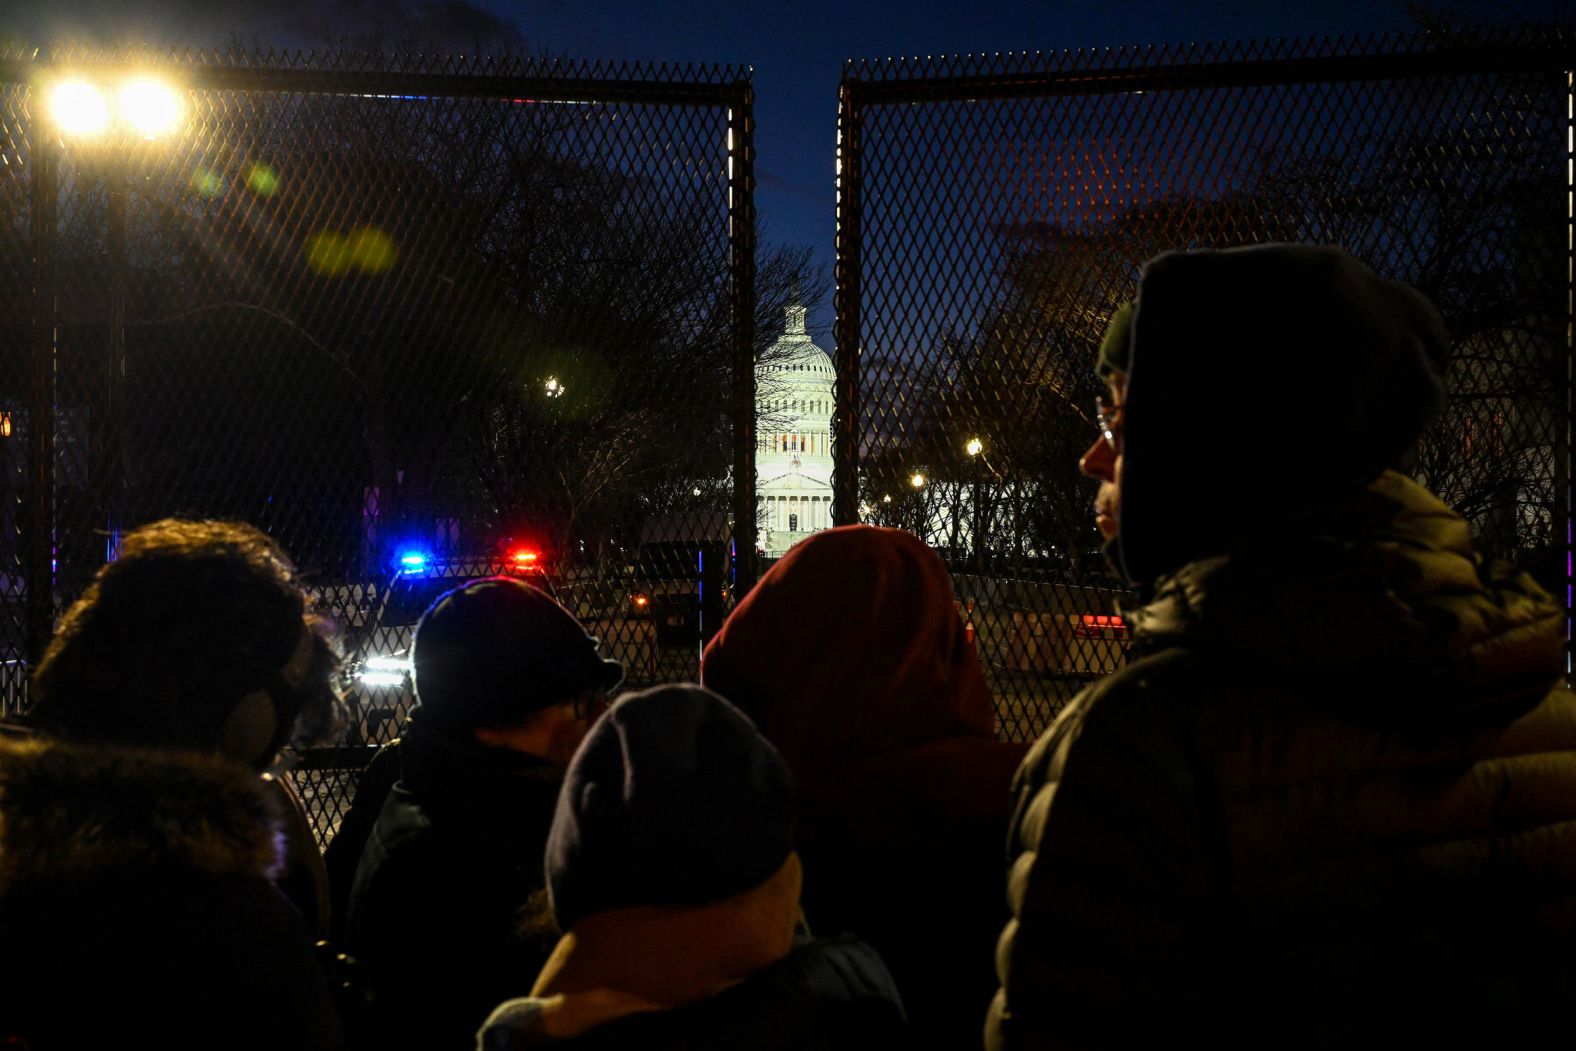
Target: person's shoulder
x,y
844,965
514,1025
1135,699
826,993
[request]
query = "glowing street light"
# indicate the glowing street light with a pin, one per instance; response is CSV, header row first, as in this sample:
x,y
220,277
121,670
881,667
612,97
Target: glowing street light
x,y
917,480
554,388
79,108
151,107
974,447
147,106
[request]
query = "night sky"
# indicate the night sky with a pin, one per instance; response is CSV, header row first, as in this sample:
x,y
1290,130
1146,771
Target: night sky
x,y
796,49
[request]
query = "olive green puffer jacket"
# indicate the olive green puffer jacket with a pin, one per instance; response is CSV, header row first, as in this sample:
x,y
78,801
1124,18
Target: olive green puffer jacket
x,y
1334,804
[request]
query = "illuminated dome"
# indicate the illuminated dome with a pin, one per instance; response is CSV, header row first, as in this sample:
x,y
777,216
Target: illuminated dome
x,y
794,384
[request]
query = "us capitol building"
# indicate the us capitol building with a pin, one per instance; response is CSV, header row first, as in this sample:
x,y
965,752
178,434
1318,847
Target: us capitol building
x,y
793,462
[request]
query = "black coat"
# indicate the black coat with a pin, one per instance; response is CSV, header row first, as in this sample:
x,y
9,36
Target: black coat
x,y
446,913
137,905
823,996
1334,805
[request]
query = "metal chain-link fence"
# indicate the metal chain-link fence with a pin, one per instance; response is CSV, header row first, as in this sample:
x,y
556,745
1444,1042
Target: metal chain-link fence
x,y
420,321
993,212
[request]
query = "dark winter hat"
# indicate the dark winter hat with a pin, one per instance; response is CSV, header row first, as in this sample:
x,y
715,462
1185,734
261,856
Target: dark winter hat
x,y
1116,347
1262,383
497,649
672,799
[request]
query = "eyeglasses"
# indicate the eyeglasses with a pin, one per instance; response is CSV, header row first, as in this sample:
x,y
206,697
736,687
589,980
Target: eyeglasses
x,y
1106,418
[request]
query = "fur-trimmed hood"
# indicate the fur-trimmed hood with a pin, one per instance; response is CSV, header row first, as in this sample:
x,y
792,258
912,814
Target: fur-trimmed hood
x,y
71,813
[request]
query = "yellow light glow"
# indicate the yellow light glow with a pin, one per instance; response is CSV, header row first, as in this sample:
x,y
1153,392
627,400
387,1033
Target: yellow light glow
x,y
262,180
372,250
207,182
149,107
974,447
917,480
329,254
78,108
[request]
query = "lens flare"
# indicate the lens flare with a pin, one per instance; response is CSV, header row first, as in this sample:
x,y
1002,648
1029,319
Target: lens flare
x,y
207,182
371,249
365,248
262,180
151,107
328,254
79,108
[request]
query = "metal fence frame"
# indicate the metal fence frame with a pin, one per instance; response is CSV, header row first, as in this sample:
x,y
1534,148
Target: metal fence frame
x,y
730,90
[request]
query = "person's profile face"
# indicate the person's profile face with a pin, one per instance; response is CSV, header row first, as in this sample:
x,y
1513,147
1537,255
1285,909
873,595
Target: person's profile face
x,y
1103,459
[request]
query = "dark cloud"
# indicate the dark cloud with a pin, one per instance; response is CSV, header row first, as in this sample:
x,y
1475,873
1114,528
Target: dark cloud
x,y
429,25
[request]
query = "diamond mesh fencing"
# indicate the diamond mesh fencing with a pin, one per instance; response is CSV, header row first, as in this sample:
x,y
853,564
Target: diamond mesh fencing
x,y
419,321
994,211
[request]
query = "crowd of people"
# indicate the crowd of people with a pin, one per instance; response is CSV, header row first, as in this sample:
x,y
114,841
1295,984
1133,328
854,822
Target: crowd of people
x,y
1331,800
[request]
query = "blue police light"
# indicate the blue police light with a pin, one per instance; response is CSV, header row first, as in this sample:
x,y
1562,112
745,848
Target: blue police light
x,y
413,561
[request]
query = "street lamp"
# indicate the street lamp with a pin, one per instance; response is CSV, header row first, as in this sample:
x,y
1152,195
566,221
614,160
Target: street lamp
x,y
917,480
150,107
79,109
109,126
974,447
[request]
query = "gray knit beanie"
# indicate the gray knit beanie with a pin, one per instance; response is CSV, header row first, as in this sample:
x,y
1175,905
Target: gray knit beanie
x,y
673,798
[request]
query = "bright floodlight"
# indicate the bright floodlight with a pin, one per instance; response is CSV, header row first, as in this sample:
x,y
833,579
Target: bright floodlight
x,y
78,108
554,388
974,447
151,107
917,480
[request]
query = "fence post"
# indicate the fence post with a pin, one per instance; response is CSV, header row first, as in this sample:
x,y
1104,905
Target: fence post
x,y
850,150
1562,466
39,573
741,271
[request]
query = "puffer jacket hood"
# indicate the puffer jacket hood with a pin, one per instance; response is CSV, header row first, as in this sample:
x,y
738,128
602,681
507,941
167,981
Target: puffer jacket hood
x,y
1384,598
70,813
1262,381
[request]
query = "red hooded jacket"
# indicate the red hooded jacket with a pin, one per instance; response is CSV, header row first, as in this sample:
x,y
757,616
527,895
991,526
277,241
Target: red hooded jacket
x,y
851,658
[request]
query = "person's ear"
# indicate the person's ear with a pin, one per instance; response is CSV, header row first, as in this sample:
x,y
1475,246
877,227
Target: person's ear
x,y
249,730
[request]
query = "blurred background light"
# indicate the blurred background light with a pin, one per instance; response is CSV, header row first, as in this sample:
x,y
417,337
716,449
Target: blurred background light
x,y
262,180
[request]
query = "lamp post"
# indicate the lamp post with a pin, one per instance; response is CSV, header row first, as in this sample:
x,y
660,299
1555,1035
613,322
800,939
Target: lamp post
x,y
917,481
112,127
975,450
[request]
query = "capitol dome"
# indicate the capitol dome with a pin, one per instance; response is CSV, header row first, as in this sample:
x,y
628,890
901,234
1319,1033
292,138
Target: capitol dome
x,y
794,383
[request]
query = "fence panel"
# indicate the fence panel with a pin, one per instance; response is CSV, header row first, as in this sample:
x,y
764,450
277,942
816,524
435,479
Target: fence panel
x,y
419,321
992,215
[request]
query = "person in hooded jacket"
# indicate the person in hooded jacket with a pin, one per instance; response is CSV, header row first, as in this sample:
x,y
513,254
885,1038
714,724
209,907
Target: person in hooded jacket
x,y
199,637
672,874
1333,801
447,912
852,658
138,906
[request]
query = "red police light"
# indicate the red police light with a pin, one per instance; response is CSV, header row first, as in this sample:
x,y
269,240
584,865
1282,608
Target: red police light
x,y
524,556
